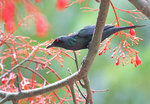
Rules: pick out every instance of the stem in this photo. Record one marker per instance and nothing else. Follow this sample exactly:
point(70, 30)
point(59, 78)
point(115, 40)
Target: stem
point(88, 90)
point(76, 61)
point(73, 94)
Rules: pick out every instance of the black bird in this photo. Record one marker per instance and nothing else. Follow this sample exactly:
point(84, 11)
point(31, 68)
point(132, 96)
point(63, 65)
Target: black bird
point(81, 39)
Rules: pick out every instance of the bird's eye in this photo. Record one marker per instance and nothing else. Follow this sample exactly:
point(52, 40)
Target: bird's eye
point(57, 40)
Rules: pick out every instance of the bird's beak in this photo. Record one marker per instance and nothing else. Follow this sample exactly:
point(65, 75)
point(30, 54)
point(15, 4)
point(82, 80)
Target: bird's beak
point(49, 46)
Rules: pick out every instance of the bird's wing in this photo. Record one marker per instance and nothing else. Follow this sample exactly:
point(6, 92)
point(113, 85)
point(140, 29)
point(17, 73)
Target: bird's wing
point(86, 31)
point(107, 27)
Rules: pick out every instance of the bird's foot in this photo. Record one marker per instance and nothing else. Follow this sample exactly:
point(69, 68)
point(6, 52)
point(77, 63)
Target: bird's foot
point(83, 60)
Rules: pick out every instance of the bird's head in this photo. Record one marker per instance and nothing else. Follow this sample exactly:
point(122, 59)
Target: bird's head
point(56, 43)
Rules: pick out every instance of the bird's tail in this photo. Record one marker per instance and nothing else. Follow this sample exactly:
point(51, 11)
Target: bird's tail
point(116, 29)
point(113, 30)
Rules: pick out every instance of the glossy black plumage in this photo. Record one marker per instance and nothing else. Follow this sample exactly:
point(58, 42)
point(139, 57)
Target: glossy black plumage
point(81, 39)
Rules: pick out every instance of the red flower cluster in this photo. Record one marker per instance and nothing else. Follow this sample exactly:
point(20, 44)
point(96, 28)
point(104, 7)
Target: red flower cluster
point(8, 13)
point(8, 10)
point(124, 50)
point(61, 4)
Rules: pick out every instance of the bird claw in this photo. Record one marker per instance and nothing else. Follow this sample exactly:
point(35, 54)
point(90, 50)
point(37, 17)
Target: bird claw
point(83, 60)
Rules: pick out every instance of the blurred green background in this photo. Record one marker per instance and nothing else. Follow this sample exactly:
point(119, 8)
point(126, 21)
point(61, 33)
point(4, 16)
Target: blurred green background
point(126, 84)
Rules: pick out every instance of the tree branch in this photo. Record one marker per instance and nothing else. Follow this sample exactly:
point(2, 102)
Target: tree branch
point(94, 46)
point(142, 5)
point(34, 92)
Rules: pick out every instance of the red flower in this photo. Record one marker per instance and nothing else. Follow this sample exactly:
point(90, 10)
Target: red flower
point(38, 1)
point(61, 4)
point(8, 16)
point(116, 33)
point(100, 53)
point(10, 25)
point(137, 60)
point(41, 23)
point(4, 80)
point(132, 32)
point(117, 62)
point(41, 26)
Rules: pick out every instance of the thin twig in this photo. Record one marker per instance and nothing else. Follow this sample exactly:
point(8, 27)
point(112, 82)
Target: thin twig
point(4, 100)
point(100, 90)
point(73, 94)
point(76, 62)
point(77, 86)
point(80, 92)
point(18, 84)
point(34, 72)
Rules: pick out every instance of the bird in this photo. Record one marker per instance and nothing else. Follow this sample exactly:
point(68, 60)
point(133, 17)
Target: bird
point(82, 38)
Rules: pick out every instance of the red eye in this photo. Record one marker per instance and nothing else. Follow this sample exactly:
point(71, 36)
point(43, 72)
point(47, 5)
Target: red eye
point(57, 40)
